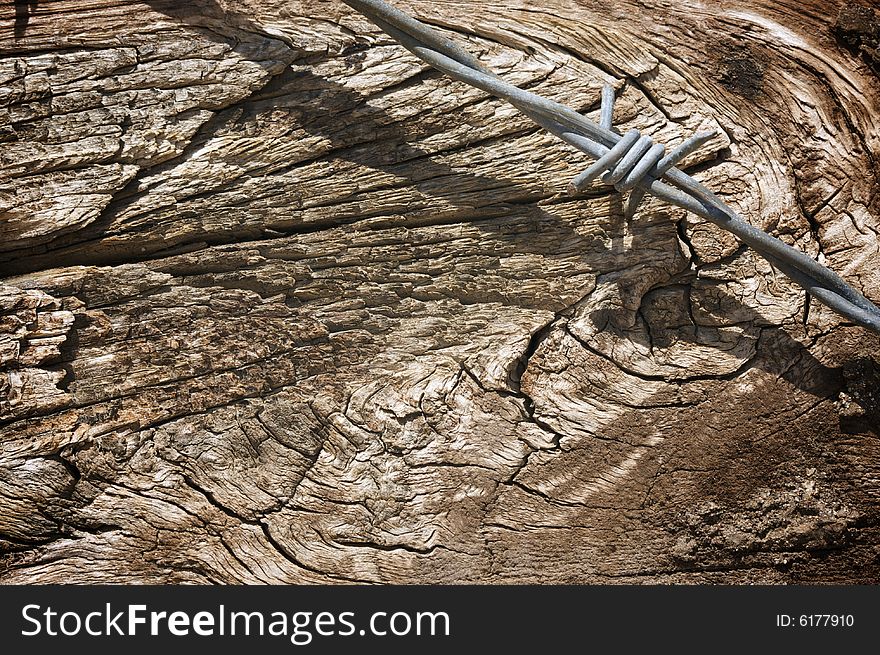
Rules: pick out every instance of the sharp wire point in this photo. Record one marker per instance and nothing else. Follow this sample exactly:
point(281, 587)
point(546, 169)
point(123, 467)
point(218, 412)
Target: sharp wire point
point(633, 202)
point(607, 112)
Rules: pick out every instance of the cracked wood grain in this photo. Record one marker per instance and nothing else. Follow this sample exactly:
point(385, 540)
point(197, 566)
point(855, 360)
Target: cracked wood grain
point(280, 304)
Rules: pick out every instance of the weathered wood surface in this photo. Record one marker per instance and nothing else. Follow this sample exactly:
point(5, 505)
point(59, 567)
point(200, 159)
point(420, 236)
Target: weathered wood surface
point(281, 304)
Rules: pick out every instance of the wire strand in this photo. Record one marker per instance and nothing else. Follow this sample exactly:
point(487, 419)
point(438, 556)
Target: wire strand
point(624, 165)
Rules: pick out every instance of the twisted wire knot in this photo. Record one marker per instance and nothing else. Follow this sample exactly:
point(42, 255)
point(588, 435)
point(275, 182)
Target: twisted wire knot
point(635, 161)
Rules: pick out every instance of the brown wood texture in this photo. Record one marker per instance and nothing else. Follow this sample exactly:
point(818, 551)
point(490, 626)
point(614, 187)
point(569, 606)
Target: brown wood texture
point(278, 303)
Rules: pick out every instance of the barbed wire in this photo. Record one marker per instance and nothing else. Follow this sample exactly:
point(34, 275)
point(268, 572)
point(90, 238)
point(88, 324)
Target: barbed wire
point(629, 162)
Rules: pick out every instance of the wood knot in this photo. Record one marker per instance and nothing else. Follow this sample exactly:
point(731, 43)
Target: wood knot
point(858, 29)
point(741, 71)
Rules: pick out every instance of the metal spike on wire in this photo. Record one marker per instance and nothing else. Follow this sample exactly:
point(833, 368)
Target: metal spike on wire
point(631, 162)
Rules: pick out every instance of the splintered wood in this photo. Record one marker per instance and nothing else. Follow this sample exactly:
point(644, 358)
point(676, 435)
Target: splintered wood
point(278, 303)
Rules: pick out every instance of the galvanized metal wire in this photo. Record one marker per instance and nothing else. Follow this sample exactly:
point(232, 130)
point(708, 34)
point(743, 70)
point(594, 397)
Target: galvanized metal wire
point(631, 162)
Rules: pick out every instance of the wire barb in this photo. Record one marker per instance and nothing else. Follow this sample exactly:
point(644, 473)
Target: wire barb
point(634, 160)
point(629, 162)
